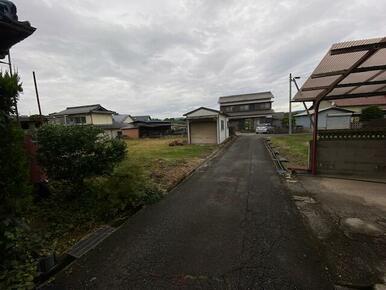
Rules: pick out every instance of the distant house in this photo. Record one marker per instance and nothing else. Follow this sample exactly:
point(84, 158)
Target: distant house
point(328, 118)
point(142, 126)
point(247, 111)
point(83, 115)
point(87, 115)
point(31, 123)
point(207, 126)
point(113, 124)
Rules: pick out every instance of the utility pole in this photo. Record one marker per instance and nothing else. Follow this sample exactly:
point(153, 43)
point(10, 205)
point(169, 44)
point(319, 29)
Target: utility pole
point(290, 107)
point(37, 95)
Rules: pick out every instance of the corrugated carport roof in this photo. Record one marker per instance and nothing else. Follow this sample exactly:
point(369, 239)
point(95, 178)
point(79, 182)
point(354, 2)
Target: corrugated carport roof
point(348, 70)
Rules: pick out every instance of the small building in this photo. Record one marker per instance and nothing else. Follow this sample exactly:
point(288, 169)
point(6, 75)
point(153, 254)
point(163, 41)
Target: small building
point(328, 118)
point(207, 126)
point(247, 111)
point(145, 126)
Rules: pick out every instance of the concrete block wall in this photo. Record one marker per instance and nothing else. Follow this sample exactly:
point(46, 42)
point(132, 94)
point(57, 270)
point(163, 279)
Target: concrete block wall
point(358, 158)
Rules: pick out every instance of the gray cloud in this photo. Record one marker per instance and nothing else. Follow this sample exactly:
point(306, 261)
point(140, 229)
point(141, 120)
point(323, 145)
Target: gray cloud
point(167, 57)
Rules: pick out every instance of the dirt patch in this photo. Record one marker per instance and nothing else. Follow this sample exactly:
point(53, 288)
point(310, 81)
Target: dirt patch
point(167, 174)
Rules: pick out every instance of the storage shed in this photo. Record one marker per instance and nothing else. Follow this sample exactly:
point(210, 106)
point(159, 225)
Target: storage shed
point(207, 126)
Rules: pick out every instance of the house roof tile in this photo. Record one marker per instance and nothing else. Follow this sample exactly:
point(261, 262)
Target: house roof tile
point(97, 108)
point(245, 97)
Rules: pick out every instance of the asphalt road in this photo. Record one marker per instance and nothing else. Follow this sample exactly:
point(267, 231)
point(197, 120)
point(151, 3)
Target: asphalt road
point(228, 226)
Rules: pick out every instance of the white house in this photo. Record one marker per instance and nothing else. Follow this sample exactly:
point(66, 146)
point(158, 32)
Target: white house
point(206, 126)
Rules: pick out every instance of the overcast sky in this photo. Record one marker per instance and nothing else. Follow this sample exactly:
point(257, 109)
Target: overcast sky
point(166, 57)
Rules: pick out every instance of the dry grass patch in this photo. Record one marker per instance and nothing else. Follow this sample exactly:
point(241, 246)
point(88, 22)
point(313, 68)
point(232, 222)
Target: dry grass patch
point(167, 165)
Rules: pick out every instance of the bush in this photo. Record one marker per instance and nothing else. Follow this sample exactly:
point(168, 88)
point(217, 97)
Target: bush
point(371, 113)
point(72, 153)
point(126, 189)
point(18, 248)
point(17, 245)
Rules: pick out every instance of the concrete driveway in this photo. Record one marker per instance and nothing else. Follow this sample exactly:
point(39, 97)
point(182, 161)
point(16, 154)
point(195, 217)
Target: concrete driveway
point(228, 226)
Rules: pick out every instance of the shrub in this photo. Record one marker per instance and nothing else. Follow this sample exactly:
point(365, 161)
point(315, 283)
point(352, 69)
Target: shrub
point(73, 153)
point(371, 113)
point(127, 188)
point(18, 248)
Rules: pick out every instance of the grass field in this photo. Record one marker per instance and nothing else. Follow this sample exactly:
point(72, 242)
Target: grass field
point(294, 148)
point(166, 164)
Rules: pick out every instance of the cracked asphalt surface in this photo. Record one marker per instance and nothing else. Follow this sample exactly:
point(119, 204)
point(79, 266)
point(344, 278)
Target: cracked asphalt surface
point(230, 225)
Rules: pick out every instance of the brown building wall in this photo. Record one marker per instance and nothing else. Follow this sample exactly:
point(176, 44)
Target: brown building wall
point(131, 133)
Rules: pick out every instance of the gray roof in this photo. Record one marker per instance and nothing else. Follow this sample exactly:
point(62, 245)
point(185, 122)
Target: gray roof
point(145, 118)
point(84, 110)
point(205, 108)
point(304, 113)
point(245, 97)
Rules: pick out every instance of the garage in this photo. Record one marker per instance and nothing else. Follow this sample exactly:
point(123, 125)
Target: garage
point(206, 126)
point(203, 132)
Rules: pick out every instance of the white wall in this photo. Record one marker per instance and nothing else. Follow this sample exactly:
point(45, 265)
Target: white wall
point(101, 119)
point(223, 134)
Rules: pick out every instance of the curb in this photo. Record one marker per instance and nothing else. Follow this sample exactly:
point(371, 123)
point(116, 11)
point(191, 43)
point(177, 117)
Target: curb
point(277, 160)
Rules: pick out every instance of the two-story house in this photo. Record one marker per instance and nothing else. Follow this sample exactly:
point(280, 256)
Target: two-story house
point(247, 111)
point(83, 115)
point(86, 115)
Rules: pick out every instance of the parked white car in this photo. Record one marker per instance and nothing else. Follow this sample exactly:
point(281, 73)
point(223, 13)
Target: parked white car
point(264, 129)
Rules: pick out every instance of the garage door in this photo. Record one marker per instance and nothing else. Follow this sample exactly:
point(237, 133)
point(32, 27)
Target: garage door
point(203, 132)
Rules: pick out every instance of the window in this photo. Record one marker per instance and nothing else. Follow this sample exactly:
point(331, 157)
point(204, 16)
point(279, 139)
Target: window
point(262, 106)
point(243, 108)
point(227, 109)
point(222, 125)
point(76, 120)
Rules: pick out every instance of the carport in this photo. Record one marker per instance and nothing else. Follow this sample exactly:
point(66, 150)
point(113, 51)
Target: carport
point(206, 126)
point(349, 70)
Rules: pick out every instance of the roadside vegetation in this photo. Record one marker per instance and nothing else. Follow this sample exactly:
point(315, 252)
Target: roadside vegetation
point(294, 148)
point(93, 181)
point(165, 165)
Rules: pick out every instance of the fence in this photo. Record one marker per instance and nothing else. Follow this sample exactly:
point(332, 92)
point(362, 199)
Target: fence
point(352, 152)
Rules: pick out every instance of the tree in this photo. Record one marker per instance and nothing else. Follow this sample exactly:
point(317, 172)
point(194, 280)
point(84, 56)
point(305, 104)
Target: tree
point(18, 268)
point(371, 113)
point(14, 182)
point(285, 121)
point(73, 153)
